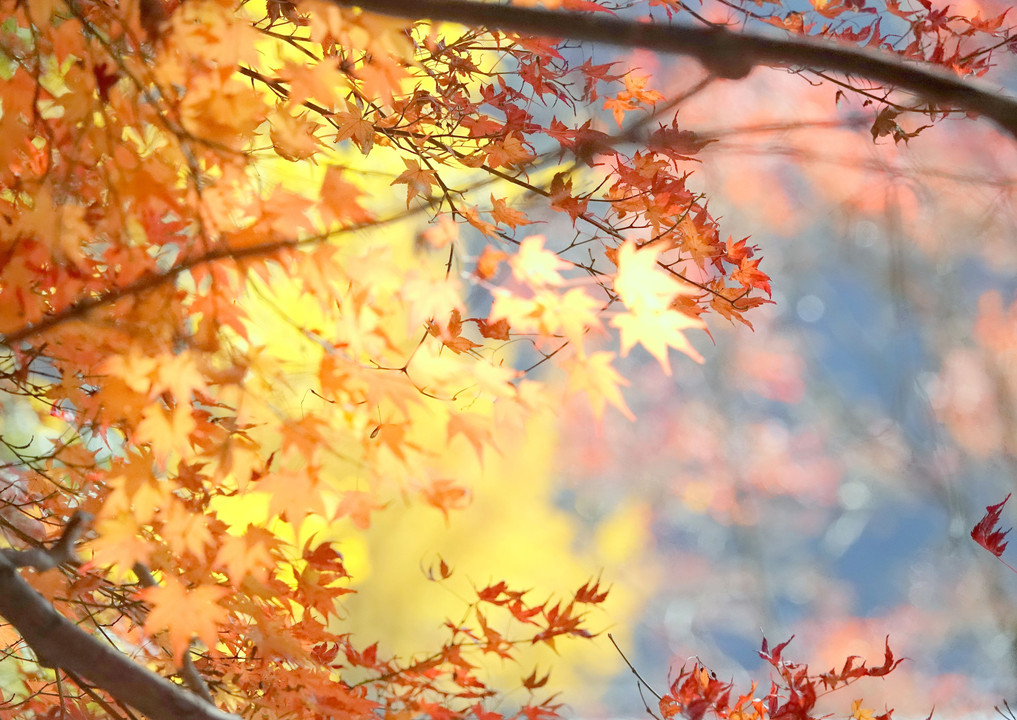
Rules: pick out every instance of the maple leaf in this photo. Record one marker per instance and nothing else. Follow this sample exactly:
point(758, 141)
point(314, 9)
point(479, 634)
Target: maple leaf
point(641, 284)
point(735, 252)
point(445, 495)
point(577, 312)
point(681, 144)
point(477, 431)
point(359, 505)
point(427, 298)
point(293, 136)
point(590, 593)
point(488, 262)
point(450, 334)
point(533, 682)
point(441, 234)
point(498, 330)
point(339, 198)
point(119, 542)
point(353, 126)
point(184, 612)
point(472, 215)
point(602, 384)
point(985, 532)
point(888, 662)
point(252, 552)
point(860, 713)
point(165, 430)
point(536, 266)
point(418, 180)
point(562, 199)
point(507, 152)
point(506, 215)
point(323, 81)
point(750, 276)
point(657, 331)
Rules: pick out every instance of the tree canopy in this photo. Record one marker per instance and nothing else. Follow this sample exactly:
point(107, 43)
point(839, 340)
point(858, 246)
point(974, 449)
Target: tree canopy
point(269, 269)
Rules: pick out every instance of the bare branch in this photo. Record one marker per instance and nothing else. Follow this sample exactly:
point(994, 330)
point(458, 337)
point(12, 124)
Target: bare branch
point(723, 53)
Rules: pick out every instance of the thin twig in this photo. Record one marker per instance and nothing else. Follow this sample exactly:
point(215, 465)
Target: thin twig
point(634, 671)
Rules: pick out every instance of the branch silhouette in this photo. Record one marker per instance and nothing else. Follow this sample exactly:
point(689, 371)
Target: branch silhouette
point(724, 53)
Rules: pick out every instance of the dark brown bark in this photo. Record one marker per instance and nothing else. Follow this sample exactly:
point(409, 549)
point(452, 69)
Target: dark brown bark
point(59, 643)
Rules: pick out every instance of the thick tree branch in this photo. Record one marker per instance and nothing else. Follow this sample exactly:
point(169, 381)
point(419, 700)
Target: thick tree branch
point(43, 559)
point(725, 54)
point(59, 643)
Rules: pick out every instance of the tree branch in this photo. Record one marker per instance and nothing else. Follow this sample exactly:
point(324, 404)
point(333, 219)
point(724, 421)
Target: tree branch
point(59, 643)
point(724, 53)
point(43, 559)
point(84, 305)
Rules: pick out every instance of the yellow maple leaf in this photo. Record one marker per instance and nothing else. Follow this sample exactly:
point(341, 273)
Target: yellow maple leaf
point(184, 530)
point(594, 375)
point(476, 430)
point(494, 380)
point(135, 368)
point(536, 266)
point(657, 331)
point(578, 313)
point(178, 374)
point(428, 298)
point(860, 713)
point(524, 315)
point(640, 282)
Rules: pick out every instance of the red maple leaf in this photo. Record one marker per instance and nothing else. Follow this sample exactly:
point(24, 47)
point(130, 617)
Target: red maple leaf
point(987, 535)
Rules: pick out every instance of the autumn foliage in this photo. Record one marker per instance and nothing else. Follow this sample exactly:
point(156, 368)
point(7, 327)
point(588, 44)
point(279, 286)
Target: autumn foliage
point(793, 692)
point(271, 268)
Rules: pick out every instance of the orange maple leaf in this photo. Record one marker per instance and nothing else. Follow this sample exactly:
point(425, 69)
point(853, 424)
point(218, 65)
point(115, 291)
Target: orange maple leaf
point(446, 495)
point(353, 126)
point(184, 612)
point(505, 215)
point(418, 180)
point(750, 276)
point(507, 152)
point(488, 262)
point(359, 505)
point(562, 199)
